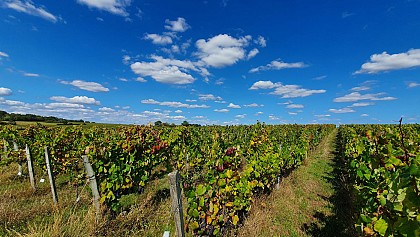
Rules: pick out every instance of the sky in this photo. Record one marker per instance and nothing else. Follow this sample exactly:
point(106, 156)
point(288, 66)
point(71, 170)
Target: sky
point(212, 61)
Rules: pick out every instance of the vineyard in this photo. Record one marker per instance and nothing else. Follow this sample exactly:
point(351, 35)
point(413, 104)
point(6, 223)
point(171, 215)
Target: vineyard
point(223, 168)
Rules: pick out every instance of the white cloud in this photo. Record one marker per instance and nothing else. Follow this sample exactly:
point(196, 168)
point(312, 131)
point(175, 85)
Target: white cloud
point(341, 111)
point(206, 97)
point(295, 106)
point(123, 79)
point(285, 91)
point(10, 102)
point(126, 59)
point(106, 109)
point(3, 54)
point(240, 116)
point(322, 115)
point(360, 88)
point(253, 105)
point(222, 50)
point(27, 74)
point(233, 106)
point(221, 110)
point(364, 115)
point(64, 105)
point(387, 62)
point(169, 71)
point(361, 104)
point(29, 8)
point(413, 84)
point(180, 25)
point(259, 113)
point(5, 91)
point(278, 65)
point(117, 7)
point(252, 53)
point(292, 113)
point(178, 111)
point(88, 86)
point(264, 85)
point(320, 77)
point(76, 100)
point(141, 79)
point(158, 39)
point(356, 96)
point(272, 117)
point(174, 104)
point(261, 41)
point(294, 91)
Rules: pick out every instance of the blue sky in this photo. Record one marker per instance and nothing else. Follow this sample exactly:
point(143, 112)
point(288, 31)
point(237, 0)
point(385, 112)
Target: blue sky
point(212, 62)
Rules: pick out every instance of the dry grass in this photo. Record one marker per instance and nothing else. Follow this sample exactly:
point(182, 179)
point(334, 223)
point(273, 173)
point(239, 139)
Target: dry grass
point(302, 198)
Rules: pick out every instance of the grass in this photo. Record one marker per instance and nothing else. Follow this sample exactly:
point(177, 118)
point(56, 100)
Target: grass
point(310, 201)
point(24, 212)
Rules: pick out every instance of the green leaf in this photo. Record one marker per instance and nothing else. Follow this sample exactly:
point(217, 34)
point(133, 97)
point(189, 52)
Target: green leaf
point(201, 190)
point(381, 226)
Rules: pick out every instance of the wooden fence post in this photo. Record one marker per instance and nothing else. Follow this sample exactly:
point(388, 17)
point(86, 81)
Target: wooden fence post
point(4, 156)
point(16, 148)
point(175, 189)
point(51, 176)
point(30, 167)
point(93, 185)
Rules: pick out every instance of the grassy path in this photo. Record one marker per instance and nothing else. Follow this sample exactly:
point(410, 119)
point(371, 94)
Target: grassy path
point(312, 201)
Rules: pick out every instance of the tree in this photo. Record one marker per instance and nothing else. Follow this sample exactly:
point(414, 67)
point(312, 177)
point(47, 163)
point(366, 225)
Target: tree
point(158, 123)
point(185, 123)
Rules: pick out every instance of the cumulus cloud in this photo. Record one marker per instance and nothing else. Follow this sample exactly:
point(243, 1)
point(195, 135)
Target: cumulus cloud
point(64, 105)
point(222, 50)
point(106, 109)
point(356, 96)
point(180, 25)
point(76, 100)
point(240, 116)
point(29, 8)
point(141, 79)
point(221, 110)
point(117, 7)
point(295, 106)
point(88, 86)
point(264, 85)
point(388, 62)
point(5, 91)
point(253, 105)
point(278, 65)
point(285, 91)
point(158, 39)
point(3, 101)
point(233, 106)
point(212, 97)
point(341, 111)
point(169, 71)
point(174, 104)
point(252, 53)
point(261, 41)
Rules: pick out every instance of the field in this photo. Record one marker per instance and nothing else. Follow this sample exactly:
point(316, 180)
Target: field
point(229, 177)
